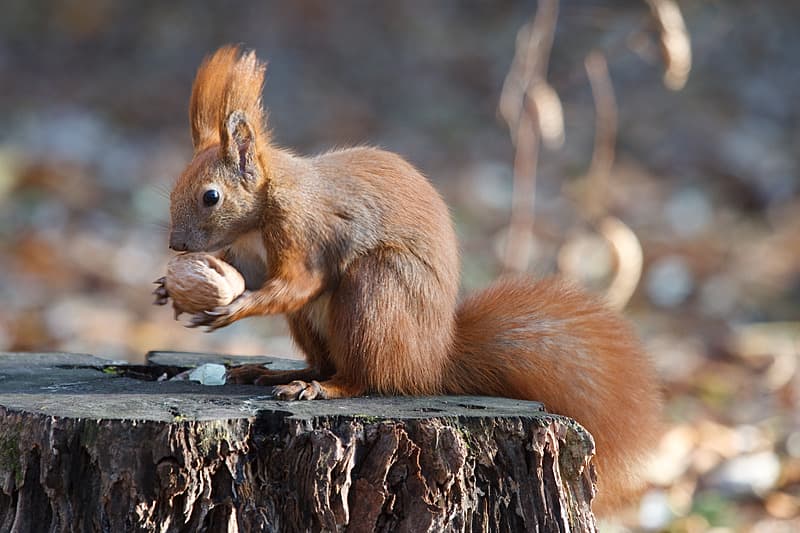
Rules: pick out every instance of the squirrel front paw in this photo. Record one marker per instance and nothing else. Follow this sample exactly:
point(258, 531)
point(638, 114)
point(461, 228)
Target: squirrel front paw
point(221, 316)
point(213, 319)
point(160, 292)
point(162, 296)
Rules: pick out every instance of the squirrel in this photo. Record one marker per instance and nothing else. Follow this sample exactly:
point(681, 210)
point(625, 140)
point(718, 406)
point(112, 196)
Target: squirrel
point(357, 249)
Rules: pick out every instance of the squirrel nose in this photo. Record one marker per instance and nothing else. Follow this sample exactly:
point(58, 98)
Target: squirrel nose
point(177, 244)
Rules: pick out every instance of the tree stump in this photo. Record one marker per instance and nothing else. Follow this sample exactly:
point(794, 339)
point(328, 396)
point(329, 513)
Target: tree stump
point(86, 445)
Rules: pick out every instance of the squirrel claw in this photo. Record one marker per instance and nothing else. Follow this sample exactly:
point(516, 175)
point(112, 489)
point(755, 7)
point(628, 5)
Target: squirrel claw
point(160, 292)
point(299, 390)
point(198, 320)
point(160, 281)
point(161, 296)
point(212, 319)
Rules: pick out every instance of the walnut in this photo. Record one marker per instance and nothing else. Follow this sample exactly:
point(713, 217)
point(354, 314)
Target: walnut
point(199, 282)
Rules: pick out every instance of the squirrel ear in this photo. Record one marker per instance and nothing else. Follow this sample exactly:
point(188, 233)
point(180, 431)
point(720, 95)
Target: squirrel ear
point(239, 143)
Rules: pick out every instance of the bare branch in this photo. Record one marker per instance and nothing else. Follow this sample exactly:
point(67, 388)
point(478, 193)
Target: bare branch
point(525, 88)
point(605, 137)
point(629, 256)
point(675, 44)
point(594, 198)
point(533, 112)
point(547, 105)
point(519, 240)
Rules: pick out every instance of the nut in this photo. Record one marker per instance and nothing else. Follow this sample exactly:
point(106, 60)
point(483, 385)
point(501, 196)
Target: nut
point(199, 282)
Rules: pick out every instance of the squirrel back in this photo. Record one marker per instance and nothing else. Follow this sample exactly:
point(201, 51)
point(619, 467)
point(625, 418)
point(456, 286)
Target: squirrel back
point(358, 250)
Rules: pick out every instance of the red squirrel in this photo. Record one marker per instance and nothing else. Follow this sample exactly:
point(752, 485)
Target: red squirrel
point(358, 250)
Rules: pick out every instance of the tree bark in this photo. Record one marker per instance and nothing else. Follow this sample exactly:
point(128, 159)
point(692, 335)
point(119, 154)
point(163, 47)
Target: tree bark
point(85, 446)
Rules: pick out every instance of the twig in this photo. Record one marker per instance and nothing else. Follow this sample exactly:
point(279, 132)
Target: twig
point(605, 136)
point(630, 259)
point(675, 44)
point(620, 238)
point(532, 110)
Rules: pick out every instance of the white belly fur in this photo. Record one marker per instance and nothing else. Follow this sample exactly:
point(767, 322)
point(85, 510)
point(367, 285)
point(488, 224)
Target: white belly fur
point(249, 257)
point(317, 313)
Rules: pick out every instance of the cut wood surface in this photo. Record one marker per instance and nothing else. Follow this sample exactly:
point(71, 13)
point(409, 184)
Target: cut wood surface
point(87, 445)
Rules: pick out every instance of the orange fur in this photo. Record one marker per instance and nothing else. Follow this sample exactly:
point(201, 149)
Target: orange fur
point(546, 340)
point(358, 250)
point(226, 82)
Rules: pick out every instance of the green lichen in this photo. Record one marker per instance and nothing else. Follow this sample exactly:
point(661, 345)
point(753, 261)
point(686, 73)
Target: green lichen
point(367, 419)
point(465, 433)
point(10, 455)
point(578, 444)
point(210, 435)
point(89, 433)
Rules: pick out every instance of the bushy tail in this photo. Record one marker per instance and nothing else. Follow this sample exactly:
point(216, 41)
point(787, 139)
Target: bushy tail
point(546, 340)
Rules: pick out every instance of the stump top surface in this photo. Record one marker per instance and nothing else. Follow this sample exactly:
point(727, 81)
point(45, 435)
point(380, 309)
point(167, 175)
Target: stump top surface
point(85, 386)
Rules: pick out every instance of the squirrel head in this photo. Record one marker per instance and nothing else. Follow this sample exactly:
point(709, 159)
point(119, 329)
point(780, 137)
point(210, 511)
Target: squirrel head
point(218, 196)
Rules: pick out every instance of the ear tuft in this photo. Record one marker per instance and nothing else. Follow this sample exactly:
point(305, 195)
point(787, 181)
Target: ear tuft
point(227, 82)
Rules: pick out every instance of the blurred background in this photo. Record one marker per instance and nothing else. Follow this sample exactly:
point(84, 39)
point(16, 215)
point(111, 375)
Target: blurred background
point(94, 130)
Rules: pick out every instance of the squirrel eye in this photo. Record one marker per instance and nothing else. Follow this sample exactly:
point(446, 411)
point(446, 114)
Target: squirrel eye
point(210, 197)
